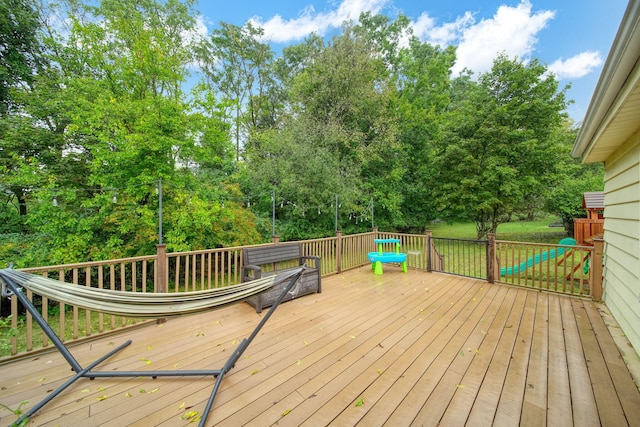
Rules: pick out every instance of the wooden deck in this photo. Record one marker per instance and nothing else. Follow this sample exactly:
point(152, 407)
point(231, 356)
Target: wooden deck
point(397, 349)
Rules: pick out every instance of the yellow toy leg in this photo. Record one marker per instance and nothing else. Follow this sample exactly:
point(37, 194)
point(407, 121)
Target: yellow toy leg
point(377, 267)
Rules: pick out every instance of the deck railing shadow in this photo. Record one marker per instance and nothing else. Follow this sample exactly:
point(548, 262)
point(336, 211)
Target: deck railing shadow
point(575, 271)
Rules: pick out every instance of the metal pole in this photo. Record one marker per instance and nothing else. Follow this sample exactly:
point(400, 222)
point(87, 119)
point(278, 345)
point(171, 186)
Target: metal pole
point(160, 211)
point(336, 230)
point(372, 223)
point(273, 212)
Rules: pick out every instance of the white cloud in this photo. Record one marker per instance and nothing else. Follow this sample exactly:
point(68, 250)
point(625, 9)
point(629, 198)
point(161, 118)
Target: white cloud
point(577, 66)
point(281, 30)
point(511, 30)
point(446, 34)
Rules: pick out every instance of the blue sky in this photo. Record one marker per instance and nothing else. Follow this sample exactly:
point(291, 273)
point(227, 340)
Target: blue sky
point(572, 37)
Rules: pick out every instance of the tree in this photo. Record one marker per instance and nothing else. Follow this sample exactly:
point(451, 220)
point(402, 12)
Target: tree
point(423, 80)
point(573, 180)
point(338, 139)
point(237, 64)
point(19, 46)
point(106, 121)
point(492, 149)
point(30, 143)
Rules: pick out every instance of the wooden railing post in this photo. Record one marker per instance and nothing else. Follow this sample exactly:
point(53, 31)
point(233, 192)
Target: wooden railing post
point(596, 269)
point(275, 239)
point(162, 272)
point(427, 245)
point(491, 257)
point(161, 268)
point(339, 251)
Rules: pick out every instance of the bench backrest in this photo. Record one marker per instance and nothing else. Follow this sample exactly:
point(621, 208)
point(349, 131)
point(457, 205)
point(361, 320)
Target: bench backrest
point(261, 255)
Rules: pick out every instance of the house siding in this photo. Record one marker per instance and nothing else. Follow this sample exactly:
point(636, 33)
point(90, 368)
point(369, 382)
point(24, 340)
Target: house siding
point(622, 237)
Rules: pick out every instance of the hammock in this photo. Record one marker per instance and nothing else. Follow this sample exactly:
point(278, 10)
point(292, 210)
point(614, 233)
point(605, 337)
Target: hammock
point(140, 305)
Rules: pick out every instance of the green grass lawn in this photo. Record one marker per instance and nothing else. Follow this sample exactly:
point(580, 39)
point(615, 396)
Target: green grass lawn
point(537, 231)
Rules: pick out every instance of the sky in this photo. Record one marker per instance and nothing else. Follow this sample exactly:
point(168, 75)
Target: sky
point(571, 37)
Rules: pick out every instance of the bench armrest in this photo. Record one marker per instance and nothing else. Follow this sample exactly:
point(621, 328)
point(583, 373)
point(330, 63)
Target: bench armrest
point(251, 272)
point(316, 260)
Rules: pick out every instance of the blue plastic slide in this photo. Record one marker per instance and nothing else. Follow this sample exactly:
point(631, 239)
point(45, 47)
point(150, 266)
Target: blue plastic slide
point(538, 258)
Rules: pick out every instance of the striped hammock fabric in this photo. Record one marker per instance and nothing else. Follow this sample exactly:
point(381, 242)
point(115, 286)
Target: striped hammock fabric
point(141, 305)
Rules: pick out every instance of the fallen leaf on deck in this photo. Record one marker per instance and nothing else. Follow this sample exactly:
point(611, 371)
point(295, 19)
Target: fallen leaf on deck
point(148, 347)
point(127, 394)
point(461, 386)
point(154, 390)
point(102, 397)
point(286, 412)
point(181, 405)
point(359, 402)
point(255, 371)
point(191, 415)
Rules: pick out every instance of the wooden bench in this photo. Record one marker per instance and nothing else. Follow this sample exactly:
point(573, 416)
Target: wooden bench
point(266, 260)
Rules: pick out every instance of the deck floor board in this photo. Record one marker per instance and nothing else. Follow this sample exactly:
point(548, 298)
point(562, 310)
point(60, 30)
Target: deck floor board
point(399, 349)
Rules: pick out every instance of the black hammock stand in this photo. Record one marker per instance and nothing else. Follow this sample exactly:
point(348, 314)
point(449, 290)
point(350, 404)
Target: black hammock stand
point(88, 372)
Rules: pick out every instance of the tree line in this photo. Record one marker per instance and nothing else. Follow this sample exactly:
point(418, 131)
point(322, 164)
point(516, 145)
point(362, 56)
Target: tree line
point(100, 102)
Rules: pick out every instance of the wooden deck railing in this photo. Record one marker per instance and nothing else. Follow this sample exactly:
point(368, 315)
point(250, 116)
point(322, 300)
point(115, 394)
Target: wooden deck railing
point(72, 323)
point(573, 270)
point(174, 272)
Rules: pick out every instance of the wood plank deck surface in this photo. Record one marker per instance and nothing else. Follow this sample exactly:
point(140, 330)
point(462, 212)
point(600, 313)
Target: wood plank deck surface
point(419, 348)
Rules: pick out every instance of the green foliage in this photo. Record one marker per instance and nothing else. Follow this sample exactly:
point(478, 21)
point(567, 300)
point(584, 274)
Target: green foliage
point(19, 55)
point(566, 199)
point(6, 333)
point(95, 115)
point(101, 126)
point(492, 149)
point(17, 412)
point(423, 98)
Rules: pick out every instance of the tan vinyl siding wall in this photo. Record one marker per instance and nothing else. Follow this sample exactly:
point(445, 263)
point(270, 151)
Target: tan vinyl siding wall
point(622, 237)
